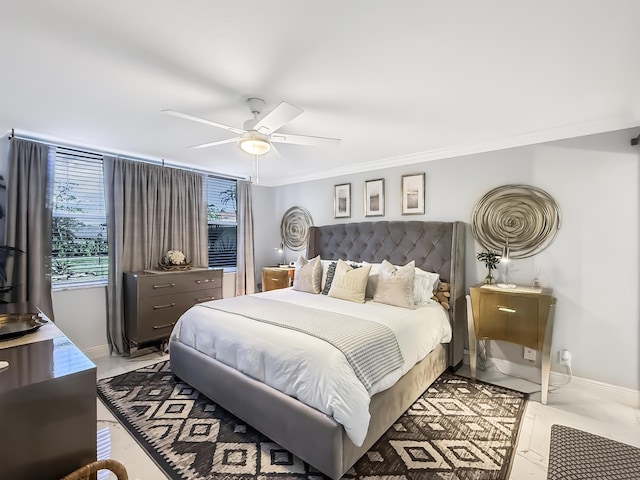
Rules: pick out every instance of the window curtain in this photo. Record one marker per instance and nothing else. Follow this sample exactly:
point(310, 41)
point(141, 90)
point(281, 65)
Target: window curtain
point(150, 209)
point(28, 226)
point(245, 275)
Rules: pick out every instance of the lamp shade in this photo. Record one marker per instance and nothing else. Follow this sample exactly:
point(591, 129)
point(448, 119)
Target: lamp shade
point(255, 143)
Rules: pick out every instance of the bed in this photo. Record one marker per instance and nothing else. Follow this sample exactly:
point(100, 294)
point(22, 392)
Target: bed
point(312, 435)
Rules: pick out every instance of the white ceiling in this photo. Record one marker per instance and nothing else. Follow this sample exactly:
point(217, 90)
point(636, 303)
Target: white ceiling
point(398, 82)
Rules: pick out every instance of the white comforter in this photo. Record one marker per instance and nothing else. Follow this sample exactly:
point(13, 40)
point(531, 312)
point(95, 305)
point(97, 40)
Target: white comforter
point(306, 367)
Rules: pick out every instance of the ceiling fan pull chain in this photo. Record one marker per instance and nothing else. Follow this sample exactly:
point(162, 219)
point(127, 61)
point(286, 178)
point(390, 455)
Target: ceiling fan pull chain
point(255, 169)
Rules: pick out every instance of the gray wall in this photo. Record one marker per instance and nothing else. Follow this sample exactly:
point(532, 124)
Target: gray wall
point(593, 265)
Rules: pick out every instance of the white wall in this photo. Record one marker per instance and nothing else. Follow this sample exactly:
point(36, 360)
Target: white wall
point(266, 227)
point(593, 265)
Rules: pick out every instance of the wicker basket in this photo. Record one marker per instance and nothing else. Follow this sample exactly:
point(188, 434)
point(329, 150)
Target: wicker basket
point(88, 471)
point(163, 267)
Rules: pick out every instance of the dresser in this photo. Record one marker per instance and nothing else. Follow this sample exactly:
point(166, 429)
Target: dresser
point(153, 302)
point(522, 315)
point(277, 277)
point(47, 407)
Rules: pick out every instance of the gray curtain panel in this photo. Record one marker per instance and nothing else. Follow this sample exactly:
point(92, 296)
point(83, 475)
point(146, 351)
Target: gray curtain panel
point(150, 209)
point(28, 224)
point(245, 276)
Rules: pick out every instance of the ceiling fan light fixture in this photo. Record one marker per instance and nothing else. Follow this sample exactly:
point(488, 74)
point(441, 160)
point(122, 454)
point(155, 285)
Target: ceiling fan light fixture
point(255, 143)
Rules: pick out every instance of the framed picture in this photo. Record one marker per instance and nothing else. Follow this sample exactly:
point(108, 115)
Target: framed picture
point(342, 200)
point(413, 194)
point(374, 198)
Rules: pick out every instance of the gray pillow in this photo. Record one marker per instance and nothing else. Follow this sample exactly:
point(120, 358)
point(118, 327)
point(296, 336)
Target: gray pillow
point(395, 285)
point(331, 271)
point(308, 275)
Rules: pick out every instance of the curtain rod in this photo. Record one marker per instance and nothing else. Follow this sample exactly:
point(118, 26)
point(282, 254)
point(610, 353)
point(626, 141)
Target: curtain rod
point(161, 162)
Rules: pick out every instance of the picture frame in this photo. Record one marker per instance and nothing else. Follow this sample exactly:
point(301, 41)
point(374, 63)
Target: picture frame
point(413, 194)
point(374, 198)
point(342, 200)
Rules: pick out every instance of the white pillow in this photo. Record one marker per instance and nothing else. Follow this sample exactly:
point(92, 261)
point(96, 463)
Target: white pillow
point(308, 275)
point(425, 284)
point(349, 283)
point(396, 285)
point(372, 282)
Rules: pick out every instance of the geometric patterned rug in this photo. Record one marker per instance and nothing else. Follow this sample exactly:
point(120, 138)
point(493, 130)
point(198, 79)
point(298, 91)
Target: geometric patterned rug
point(457, 430)
point(578, 455)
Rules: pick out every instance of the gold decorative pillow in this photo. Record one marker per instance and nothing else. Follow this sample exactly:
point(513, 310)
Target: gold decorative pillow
point(308, 275)
point(349, 283)
point(395, 285)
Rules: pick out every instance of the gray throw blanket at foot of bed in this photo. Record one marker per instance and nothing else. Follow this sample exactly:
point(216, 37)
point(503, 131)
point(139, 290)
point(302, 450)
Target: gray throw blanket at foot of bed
point(370, 348)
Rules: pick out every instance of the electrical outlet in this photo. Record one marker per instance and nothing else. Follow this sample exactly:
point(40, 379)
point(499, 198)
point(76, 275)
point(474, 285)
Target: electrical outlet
point(529, 354)
point(564, 357)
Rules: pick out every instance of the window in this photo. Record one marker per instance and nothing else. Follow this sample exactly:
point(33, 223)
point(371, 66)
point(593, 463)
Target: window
point(221, 221)
point(79, 228)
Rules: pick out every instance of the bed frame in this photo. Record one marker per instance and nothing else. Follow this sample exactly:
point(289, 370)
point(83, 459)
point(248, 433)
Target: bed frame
point(311, 435)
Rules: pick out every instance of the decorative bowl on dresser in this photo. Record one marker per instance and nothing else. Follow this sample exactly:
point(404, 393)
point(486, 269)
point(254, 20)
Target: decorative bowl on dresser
point(153, 301)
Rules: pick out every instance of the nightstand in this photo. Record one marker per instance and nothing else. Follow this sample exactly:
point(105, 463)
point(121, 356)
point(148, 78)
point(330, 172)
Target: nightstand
point(521, 315)
point(277, 277)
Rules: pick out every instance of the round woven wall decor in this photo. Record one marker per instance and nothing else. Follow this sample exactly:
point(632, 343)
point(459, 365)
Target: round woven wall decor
point(527, 216)
point(294, 227)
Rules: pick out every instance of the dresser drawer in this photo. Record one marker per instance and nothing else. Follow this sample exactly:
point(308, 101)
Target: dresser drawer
point(169, 283)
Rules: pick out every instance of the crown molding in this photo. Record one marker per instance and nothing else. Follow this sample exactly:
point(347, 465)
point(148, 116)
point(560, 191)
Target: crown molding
point(532, 138)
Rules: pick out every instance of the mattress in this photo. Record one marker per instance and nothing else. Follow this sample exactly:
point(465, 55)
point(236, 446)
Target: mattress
point(305, 367)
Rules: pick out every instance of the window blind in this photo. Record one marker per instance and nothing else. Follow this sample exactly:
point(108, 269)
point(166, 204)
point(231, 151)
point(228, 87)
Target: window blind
point(221, 221)
point(79, 228)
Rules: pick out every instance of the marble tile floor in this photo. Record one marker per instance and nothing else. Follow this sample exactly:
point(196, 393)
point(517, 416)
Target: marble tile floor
point(569, 405)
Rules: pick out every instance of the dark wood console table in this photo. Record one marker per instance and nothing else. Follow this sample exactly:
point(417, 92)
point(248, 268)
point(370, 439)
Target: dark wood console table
point(47, 410)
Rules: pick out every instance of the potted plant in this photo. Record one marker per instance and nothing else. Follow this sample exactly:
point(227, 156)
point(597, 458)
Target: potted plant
point(491, 260)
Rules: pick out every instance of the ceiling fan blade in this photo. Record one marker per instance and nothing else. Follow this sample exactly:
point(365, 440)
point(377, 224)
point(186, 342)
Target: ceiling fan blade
point(283, 113)
point(219, 142)
point(203, 120)
point(304, 140)
point(274, 152)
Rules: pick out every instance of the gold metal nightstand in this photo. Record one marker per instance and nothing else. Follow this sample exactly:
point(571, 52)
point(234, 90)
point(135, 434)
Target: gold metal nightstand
point(521, 315)
point(277, 277)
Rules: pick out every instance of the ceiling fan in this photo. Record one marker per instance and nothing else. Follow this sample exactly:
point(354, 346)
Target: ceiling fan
point(259, 133)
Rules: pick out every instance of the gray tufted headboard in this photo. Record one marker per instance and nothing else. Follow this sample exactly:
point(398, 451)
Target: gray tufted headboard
point(435, 246)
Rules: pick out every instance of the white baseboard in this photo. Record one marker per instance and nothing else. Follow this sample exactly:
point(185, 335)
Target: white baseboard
point(600, 390)
point(96, 352)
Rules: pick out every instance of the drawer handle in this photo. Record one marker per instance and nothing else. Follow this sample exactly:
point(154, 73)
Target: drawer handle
point(507, 310)
point(168, 305)
point(204, 299)
point(168, 285)
point(201, 281)
point(158, 327)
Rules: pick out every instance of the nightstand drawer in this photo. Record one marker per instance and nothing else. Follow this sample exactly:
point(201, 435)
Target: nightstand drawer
point(275, 277)
point(513, 317)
